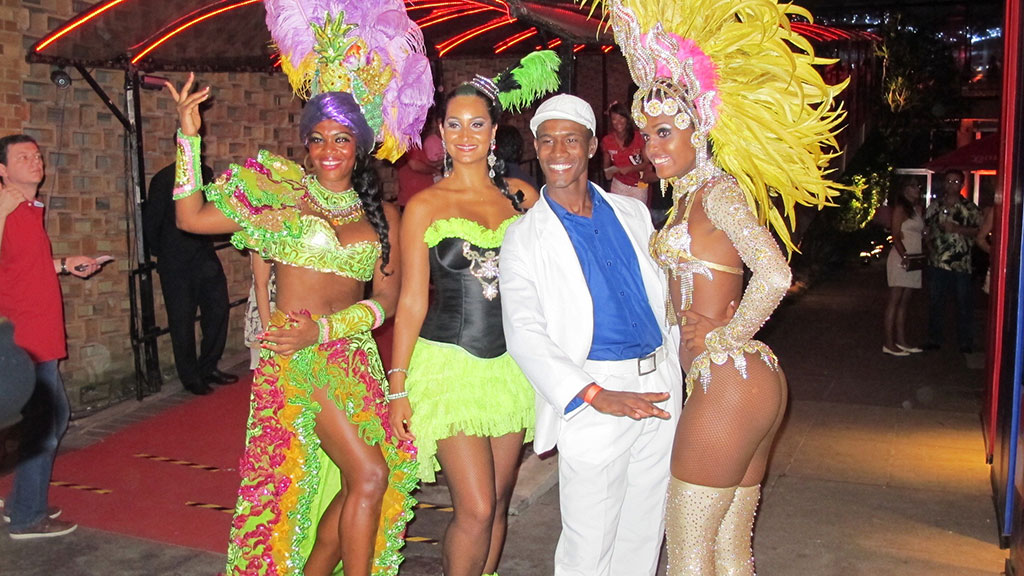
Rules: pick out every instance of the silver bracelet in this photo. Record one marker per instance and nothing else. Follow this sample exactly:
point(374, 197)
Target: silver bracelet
point(396, 395)
point(393, 370)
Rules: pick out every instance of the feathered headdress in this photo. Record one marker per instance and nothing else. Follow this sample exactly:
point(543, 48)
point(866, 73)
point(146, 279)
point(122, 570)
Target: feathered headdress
point(736, 70)
point(370, 49)
point(523, 83)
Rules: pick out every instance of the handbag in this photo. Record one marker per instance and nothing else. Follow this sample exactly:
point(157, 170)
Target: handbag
point(913, 262)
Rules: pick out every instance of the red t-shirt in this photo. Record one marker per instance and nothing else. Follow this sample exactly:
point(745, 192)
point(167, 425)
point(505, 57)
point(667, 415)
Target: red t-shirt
point(410, 182)
point(623, 156)
point(29, 291)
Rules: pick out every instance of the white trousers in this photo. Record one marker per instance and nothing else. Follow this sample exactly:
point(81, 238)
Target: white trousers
point(613, 477)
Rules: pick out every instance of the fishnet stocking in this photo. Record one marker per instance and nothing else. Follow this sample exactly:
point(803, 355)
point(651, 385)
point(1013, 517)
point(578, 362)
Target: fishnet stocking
point(724, 435)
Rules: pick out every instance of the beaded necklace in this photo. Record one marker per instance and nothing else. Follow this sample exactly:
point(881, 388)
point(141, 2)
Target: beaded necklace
point(339, 207)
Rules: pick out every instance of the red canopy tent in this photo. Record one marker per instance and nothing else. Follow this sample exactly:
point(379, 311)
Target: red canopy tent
point(980, 154)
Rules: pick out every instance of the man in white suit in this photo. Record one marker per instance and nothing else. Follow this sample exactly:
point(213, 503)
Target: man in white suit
point(583, 307)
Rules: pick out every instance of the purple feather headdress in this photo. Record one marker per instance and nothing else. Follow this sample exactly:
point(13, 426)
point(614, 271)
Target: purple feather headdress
point(368, 48)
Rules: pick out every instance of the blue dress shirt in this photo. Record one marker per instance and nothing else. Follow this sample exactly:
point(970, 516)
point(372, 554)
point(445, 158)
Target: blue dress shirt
point(625, 327)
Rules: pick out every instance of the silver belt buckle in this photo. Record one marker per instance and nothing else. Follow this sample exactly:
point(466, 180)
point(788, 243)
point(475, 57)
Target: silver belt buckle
point(647, 364)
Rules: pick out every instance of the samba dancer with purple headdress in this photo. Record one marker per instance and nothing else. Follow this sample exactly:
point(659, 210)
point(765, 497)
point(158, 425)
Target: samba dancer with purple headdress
point(324, 480)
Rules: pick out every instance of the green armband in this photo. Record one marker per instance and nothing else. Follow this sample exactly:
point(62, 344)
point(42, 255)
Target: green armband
point(188, 168)
point(362, 316)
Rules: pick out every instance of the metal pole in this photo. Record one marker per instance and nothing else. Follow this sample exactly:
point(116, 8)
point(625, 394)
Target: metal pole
point(147, 360)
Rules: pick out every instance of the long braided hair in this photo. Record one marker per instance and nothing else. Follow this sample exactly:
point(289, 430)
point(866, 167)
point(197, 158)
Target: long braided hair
point(366, 182)
point(500, 169)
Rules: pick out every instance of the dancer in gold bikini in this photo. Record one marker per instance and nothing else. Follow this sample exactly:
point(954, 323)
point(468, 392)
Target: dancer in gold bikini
point(732, 77)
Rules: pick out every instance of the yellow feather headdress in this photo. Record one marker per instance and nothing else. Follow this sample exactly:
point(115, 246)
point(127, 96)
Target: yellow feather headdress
point(747, 81)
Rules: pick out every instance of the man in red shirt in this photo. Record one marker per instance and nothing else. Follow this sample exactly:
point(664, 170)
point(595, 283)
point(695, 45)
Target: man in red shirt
point(30, 297)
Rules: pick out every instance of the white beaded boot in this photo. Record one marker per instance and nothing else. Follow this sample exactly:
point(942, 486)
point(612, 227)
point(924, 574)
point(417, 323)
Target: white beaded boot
point(692, 518)
point(733, 554)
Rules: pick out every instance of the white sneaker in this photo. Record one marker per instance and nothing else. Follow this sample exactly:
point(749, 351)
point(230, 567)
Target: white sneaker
point(910, 349)
point(52, 512)
point(886, 350)
point(45, 528)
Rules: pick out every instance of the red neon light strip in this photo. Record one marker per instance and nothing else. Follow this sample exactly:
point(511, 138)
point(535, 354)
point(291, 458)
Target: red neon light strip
point(555, 42)
point(446, 46)
point(513, 40)
point(607, 49)
point(446, 15)
point(187, 25)
point(578, 47)
point(412, 5)
point(85, 18)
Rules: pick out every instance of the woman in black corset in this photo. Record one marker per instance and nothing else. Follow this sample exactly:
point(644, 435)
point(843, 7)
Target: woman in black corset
point(454, 389)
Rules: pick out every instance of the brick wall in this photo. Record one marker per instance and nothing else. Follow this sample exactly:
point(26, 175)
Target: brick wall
point(86, 188)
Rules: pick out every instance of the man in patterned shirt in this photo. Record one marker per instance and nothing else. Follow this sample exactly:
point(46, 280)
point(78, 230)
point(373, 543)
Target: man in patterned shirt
point(952, 223)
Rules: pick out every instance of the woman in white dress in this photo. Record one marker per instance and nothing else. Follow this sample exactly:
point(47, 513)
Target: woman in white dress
point(907, 230)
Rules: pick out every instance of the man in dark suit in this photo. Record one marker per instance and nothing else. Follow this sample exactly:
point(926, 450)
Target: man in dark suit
point(192, 278)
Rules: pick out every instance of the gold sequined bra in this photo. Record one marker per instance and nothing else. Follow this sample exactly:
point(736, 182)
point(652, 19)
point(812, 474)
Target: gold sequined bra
point(727, 209)
point(265, 197)
point(670, 248)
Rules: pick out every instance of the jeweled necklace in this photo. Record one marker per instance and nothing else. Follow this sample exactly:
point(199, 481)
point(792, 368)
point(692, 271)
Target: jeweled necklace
point(339, 207)
point(688, 183)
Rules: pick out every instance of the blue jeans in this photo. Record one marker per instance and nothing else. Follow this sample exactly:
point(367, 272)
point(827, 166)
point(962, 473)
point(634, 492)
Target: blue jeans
point(940, 283)
point(46, 418)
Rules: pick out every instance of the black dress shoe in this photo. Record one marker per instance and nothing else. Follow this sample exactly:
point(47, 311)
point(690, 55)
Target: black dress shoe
point(201, 389)
point(218, 377)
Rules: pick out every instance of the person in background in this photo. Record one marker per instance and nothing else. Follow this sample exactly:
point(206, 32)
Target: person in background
point(421, 165)
point(984, 243)
point(509, 149)
point(30, 297)
point(622, 155)
point(19, 377)
point(262, 295)
point(192, 280)
point(952, 222)
point(907, 228)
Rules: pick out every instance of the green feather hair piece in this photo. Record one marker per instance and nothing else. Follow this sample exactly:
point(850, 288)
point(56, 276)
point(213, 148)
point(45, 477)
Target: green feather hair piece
point(534, 76)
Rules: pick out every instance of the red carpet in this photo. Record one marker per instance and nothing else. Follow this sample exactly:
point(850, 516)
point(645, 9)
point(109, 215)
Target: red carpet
point(108, 486)
point(172, 478)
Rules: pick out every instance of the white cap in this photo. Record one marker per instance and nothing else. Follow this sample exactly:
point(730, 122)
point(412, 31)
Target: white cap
point(564, 107)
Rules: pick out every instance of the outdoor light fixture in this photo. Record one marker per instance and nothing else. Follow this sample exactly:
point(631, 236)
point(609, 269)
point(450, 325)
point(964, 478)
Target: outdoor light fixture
point(150, 82)
point(60, 78)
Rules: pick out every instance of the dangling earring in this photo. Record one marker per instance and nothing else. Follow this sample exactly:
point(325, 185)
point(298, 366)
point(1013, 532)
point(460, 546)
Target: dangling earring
point(447, 164)
point(491, 159)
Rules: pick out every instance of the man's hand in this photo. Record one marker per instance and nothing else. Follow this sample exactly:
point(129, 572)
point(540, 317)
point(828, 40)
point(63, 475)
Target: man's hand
point(9, 200)
point(695, 329)
point(82, 266)
point(635, 405)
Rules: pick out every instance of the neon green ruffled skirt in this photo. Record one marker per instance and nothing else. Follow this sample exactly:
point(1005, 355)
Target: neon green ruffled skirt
point(288, 480)
point(452, 391)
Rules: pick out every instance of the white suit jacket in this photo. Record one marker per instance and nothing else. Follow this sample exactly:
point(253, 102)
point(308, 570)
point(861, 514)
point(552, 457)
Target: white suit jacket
point(548, 313)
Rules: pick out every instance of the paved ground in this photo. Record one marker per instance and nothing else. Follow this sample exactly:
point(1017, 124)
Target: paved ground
point(879, 468)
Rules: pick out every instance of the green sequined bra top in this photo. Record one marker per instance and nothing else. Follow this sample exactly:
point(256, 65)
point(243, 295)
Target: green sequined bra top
point(265, 198)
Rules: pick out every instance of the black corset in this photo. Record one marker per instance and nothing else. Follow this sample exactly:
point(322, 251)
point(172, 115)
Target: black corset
point(460, 313)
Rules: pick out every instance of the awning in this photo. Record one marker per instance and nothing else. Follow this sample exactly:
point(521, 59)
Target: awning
point(980, 154)
point(231, 35)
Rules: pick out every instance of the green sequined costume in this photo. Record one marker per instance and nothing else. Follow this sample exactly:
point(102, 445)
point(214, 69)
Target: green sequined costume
point(287, 479)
